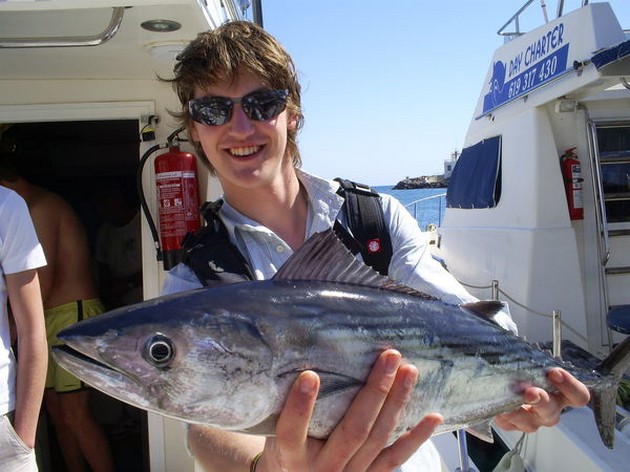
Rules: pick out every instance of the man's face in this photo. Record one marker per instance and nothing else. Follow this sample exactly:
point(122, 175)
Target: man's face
point(245, 153)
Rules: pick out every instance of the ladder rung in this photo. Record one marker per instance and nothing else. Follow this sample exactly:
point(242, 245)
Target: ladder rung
point(617, 270)
point(618, 232)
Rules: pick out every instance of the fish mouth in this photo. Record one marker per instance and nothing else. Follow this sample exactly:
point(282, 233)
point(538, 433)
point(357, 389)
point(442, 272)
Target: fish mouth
point(100, 376)
point(65, 354)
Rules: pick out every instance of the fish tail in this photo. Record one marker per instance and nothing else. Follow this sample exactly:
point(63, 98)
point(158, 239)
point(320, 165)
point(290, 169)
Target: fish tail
point(605, 393)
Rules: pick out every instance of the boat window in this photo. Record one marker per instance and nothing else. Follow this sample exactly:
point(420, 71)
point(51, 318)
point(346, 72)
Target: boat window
point(476, 178)
point(614, 153)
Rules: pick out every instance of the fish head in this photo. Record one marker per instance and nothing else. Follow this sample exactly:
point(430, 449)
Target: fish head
point(180, 360)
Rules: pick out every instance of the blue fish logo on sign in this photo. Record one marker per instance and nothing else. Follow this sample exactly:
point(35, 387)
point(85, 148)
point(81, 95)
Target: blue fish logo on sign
point(497, 84)
point(544, 60)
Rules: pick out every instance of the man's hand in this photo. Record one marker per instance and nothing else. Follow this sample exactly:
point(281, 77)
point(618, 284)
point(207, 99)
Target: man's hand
point(359, 442)
point(542, 408)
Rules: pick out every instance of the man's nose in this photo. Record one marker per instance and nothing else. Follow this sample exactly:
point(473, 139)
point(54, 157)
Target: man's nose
point(239, 122)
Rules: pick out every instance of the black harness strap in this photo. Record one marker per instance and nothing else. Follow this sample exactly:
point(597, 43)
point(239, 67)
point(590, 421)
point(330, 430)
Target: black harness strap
point(215, 259)
point(210, 253)
point(367, 223)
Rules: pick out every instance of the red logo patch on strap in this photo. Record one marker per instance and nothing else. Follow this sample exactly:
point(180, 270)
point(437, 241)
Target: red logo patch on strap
point(374, 245)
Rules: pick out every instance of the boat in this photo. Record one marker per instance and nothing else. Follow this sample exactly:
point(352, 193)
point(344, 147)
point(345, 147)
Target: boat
point(79, 95)
point(538, 205)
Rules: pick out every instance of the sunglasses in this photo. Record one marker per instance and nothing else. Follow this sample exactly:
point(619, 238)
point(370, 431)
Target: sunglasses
point(261, 105)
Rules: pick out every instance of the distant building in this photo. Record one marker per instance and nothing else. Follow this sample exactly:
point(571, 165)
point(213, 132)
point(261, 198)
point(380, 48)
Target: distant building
point(430, 181)
point(449, 165)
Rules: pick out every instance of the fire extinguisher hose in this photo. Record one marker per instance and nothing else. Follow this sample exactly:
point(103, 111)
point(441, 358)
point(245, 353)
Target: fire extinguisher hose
point(143, 200)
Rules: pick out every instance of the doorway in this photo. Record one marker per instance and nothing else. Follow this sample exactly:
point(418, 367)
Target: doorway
point(87, 162)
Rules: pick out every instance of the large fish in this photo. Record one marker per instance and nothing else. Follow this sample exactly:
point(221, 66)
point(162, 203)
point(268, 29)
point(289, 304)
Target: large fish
point(226, 356)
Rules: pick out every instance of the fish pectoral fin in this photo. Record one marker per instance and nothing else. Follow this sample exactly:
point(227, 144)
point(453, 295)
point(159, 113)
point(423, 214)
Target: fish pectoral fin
point(482, 431)
point(332, 383)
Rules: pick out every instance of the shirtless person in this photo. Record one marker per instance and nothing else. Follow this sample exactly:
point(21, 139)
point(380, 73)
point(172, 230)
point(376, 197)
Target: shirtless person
point(69, 294)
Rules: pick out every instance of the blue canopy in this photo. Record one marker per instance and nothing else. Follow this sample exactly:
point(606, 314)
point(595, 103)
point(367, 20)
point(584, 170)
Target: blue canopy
point(611, 54)
point(475, 181)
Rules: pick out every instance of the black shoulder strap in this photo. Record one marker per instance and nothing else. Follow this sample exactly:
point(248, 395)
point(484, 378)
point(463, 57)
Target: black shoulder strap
point(367, 223)
point(214, 258)
point(210, 253)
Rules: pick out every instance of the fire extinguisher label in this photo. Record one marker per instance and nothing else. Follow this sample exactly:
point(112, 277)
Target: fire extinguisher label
point(177, 198)
point(576, 177)
point(572, 176)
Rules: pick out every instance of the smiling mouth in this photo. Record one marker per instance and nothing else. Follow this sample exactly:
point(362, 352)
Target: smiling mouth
point(245, 151)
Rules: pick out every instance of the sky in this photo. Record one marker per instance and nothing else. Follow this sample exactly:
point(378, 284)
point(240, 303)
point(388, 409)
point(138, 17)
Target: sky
point(389, 87)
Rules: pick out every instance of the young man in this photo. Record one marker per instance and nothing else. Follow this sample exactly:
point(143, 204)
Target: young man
point(241, 104)
point(69, 294)
point(21, 384)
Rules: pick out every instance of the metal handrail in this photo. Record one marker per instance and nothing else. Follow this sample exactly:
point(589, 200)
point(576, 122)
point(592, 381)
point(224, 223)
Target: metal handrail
point(600, 214)
point(415, 204)
point(601, 220)
point(515, 18)
point(69, 41)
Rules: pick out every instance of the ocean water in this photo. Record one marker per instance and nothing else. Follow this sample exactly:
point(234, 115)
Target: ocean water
point(424, 203)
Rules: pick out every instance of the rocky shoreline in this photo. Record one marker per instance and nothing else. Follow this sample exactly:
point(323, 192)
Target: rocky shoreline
point(410, 183)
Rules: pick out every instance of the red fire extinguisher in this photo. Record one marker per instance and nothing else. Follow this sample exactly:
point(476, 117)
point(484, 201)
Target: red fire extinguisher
point(572, 176)
point(178, 200)
point(177, 197)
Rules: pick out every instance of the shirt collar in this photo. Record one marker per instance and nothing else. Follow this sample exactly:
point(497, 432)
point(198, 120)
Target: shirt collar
point(323, 207)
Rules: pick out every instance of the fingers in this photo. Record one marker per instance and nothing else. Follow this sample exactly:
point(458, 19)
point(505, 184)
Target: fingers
point(399, 452)
point(522, 419)
point(573, 392)
point(360, 440)
point(543, 408)
point(387, 419)
point(294, 420)
point(357, 424)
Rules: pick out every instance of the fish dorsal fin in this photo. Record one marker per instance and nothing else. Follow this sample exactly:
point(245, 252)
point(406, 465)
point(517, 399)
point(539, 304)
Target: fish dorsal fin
point(485, 309)
point(323, 257)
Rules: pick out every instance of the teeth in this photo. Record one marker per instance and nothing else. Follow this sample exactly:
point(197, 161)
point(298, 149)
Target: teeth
point(244, 151)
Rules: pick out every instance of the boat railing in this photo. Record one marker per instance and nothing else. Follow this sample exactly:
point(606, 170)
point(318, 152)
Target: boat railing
point(516, 18)
point(426, 208)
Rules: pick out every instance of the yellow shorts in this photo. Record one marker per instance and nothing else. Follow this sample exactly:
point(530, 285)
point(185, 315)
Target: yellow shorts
point(58, 318)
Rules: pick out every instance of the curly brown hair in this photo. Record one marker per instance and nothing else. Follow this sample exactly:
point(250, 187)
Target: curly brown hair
point(220, 55)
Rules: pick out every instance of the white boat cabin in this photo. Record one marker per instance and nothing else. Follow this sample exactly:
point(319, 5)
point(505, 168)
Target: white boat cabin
point(559, 89)
point(80, 100)
point(538, 205)
point(78, 84)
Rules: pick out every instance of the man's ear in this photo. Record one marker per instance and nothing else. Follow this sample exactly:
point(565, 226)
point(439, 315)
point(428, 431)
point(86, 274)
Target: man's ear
point(292, 123)
point(192, 132)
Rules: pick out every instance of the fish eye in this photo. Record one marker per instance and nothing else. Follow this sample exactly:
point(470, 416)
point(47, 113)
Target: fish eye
point(159, 350)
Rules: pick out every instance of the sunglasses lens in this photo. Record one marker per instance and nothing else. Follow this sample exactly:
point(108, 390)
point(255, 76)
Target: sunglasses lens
point(265, 105)
point(212, 111)
point(258, 106)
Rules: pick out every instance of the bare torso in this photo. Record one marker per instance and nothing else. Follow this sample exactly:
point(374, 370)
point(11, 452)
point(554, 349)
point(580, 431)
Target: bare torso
point(68, 276)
